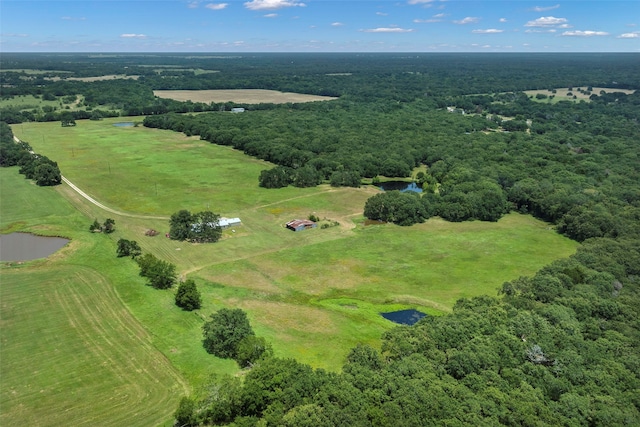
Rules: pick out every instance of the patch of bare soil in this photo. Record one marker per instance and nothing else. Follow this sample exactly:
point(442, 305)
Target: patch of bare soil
point(239, 96)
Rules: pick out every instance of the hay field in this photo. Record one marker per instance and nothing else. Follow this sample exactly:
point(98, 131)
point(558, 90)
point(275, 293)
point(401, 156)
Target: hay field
point(72, 353)
point(239, 96)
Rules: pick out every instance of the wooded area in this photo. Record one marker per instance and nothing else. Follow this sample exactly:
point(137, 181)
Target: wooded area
point(559, 348)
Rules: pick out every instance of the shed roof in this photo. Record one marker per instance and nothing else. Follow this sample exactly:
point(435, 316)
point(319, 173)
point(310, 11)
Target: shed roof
point(298, 222)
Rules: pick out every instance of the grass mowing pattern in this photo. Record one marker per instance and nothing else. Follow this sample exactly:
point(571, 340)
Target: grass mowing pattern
point(72, 354)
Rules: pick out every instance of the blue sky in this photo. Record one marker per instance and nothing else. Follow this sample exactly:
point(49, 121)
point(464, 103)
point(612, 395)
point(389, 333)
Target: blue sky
point(319, 26)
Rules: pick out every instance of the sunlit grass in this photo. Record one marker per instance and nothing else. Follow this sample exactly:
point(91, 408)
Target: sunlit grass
point(313, 294)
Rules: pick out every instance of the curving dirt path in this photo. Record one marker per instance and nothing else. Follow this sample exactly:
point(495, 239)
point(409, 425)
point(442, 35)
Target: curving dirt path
point(106, 208)
point(95, 202)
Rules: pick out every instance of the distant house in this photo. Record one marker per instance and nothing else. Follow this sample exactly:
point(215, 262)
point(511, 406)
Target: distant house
point(237, 110)
point(301, 224)
point(229, 222)
point(222, 223)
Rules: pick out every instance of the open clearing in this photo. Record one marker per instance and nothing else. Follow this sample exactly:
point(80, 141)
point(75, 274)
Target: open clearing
point(105, 343)
point(562, 93)
point(239, 96)
point(97, 78)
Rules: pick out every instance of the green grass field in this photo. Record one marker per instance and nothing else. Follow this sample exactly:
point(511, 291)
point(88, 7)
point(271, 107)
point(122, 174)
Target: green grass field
point(71, 351)
point(312, 294)
point(29, 102)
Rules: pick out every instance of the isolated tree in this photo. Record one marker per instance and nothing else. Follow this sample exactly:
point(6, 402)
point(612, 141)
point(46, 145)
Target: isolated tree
point(188, 296)
point(180, 225)
point(224, 332)
point(207, 228)
point(128, 248)
point(109, 226)
point(203, 227)
point(161, 274)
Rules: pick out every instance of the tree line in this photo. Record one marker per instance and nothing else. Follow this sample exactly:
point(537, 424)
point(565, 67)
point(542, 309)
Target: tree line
point(42, 170)
point(558, 348)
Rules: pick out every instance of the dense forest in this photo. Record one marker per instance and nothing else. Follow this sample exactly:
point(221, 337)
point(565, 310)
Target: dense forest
point(559, 348)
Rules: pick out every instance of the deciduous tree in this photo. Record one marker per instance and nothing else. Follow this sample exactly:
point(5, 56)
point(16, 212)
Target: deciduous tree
point(224, 332)
point(188, 297)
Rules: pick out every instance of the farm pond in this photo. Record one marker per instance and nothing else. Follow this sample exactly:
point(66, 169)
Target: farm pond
point(402, 186)
point(404, 317)
point(27, 246)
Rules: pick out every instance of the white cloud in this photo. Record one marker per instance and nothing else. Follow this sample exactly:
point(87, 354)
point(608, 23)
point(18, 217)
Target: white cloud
point(420, 1)
point(487, 31)
point(337, 24)
point(133, 36)
point(546, 21)
point(71, 18)
point(633, 35)
point(271, 15)
point(584, 33)
point(426, 21)
point(388, 30)
point(502, 20)
point(14, 35)
point(381, 13)
point(217, 6)
point(548, 30)
point(544, 8)
point(193, 5)
point(271, 4)
point(467, 20)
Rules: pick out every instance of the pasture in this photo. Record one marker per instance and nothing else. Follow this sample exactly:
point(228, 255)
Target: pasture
point(71, 351)
point(566, 94)
point(313, 294)
point(239, 96)
point(28, 102)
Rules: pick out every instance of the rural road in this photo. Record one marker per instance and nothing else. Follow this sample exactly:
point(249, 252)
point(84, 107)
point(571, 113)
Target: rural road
point(95, 202)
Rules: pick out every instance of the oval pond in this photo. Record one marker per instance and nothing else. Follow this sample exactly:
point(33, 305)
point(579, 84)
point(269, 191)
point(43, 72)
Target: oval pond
point(27, 246)
point(404, 317)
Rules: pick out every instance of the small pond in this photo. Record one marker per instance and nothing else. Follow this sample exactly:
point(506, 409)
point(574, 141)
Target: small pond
point(400, 186)
point(404, 317)
point(123, 124)
point(27, 246)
